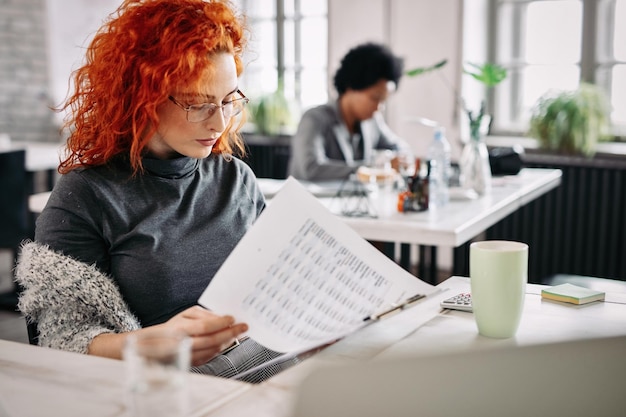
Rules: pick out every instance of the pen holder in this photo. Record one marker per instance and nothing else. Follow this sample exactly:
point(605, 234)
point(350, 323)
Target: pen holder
point(415, 197)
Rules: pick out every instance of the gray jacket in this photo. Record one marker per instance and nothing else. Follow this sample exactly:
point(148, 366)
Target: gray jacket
point(322, 148)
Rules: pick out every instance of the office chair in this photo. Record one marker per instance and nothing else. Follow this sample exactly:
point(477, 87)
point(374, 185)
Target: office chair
point(14, 215)
point(33, 333)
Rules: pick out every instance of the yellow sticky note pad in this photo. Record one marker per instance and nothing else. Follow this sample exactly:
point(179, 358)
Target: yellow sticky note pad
point(574, 294)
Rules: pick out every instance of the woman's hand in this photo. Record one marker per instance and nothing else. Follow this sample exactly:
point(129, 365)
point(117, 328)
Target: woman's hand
point(209, 332)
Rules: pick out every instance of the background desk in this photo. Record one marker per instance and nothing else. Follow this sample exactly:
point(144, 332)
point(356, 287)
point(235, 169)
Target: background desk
point(457, 222)
point(40, 157)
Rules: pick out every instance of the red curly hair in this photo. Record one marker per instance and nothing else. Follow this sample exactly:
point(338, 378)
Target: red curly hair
point(143, 52)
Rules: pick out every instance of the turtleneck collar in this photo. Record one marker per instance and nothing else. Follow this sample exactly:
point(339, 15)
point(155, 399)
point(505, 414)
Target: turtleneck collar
point(171, 168)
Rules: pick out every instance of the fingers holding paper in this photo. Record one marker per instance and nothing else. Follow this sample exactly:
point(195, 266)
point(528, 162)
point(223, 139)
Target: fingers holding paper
point(210, 333)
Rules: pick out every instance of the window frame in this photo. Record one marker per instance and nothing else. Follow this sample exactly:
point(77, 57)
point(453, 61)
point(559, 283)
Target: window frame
point(281, 19)
point(596, 58)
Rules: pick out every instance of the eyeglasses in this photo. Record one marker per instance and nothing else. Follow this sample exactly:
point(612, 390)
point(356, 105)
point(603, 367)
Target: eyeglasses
point(200, 112)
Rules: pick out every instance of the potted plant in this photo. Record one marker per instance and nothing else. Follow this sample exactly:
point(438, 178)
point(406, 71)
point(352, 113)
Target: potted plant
point(571, 122)
point(271, 113)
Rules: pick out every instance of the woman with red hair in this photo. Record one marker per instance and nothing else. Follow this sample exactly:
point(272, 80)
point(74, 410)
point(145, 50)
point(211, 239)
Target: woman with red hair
point(153, 198)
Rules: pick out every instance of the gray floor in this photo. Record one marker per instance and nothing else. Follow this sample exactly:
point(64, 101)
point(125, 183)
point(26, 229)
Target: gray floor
point(12, 324)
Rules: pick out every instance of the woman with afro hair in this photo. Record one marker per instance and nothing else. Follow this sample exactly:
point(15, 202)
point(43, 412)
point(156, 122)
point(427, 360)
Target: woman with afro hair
point(333, 140)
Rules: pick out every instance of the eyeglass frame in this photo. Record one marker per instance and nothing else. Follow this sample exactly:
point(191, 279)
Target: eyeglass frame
point(214, 106)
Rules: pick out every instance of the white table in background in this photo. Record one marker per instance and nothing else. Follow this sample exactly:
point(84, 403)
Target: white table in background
point(456, 223)
point(460, 220)
point(41, 157)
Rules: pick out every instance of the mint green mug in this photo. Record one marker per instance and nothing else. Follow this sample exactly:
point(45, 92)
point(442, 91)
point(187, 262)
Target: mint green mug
point(498, 276)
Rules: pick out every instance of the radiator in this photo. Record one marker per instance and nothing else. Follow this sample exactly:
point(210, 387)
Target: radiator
point(267, 156)
point(578, 228)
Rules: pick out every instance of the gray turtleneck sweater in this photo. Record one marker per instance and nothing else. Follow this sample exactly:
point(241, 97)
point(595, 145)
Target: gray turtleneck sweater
point(160, 235)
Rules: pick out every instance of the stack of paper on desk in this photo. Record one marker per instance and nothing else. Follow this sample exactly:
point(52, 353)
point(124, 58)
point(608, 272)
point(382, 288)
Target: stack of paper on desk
point(302, 278)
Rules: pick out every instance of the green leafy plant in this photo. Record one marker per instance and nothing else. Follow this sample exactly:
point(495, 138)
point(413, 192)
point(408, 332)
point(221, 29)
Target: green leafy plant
point(271, 113)
point(422, 70)
point(489, 74)
point(572, 122)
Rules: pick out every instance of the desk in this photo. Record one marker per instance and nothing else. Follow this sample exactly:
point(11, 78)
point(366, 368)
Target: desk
point(37, 381)
point(425, 330)
point(34, 379)
point(41, 157)
point(460, 220)
point(457, 222)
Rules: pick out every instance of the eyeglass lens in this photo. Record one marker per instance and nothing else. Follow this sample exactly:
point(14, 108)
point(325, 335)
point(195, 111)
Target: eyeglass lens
point(206, 111)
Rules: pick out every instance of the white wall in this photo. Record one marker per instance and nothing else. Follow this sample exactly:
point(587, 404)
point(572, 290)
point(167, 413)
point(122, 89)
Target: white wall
point(71, 26)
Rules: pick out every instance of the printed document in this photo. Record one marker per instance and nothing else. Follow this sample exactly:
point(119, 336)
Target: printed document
point(301, 277)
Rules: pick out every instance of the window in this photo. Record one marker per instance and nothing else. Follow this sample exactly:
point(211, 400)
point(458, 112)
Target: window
point(288, 44)
point(555, 44)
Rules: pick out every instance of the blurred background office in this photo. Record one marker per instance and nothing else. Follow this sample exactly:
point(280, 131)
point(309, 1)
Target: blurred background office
point(296, 46)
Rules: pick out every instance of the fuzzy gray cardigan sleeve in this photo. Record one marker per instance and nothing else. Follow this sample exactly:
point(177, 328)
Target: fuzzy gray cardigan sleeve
point(71, 302)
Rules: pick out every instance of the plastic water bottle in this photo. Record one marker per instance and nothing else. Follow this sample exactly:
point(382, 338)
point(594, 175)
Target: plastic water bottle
point(439, 158)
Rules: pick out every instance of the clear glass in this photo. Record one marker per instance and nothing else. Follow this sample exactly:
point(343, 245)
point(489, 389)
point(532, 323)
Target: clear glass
point(157, 365)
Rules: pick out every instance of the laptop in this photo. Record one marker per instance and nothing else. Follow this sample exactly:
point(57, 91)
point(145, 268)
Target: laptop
point(579, 378)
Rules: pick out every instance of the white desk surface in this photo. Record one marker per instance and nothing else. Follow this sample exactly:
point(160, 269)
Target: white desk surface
point(460, 220)
point(37, 202)
point(37, 381)
point(67, 384)
point(40, 156)
point(457, 222)
point(427, 329)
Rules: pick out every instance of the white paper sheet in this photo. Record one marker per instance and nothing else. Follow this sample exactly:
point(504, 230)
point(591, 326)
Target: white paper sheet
point(301, 277)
